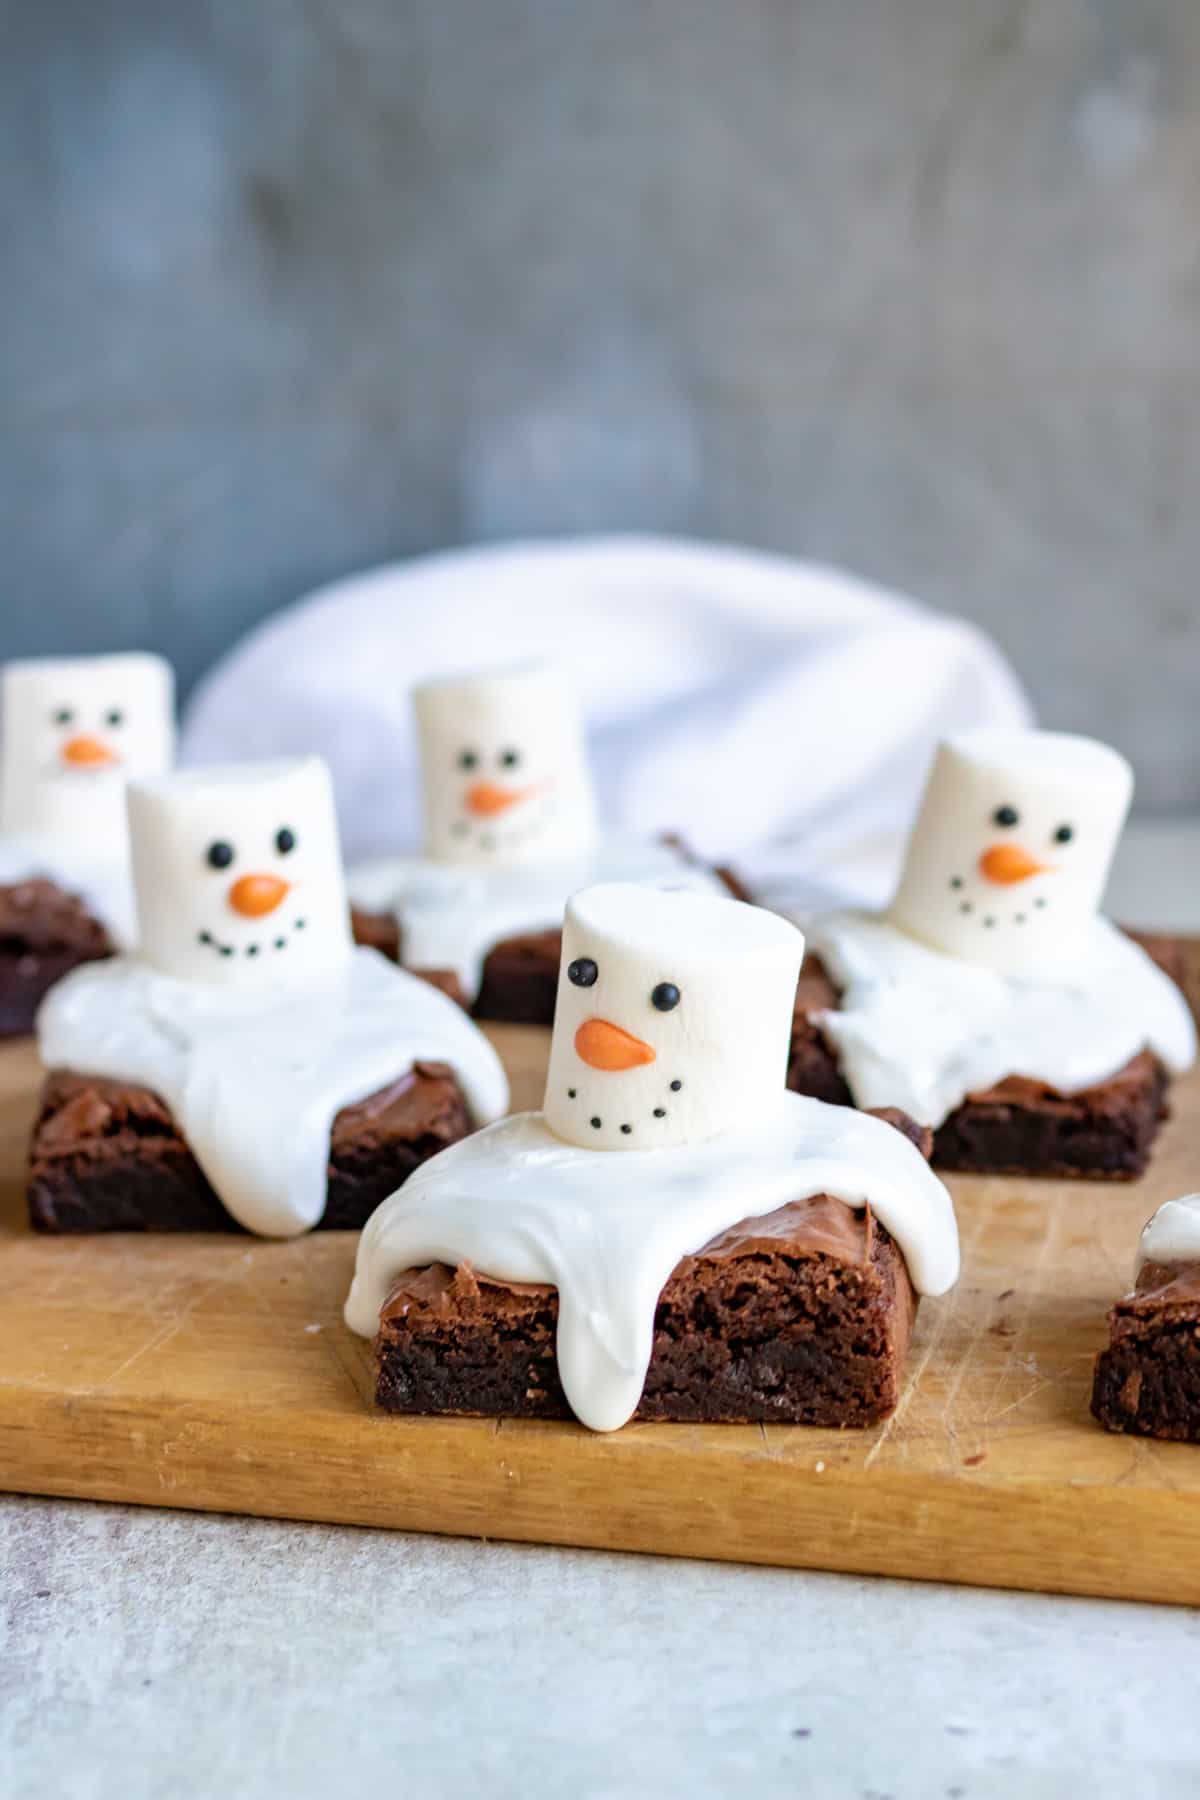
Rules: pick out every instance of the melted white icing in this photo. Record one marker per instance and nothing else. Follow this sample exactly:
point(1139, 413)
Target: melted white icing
point(1172, 1235)
point(255, 1079)
point(451, 916)
point(103, 880)
point(519, 1204)
point(921, 1031)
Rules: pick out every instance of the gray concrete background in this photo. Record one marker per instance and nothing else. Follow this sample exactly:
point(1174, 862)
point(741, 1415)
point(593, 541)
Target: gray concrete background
point(912, 285)
point(168, 1656)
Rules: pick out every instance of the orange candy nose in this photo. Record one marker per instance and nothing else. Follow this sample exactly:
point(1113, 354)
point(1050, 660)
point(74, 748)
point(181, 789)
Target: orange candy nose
point(605, 1046)
point(485, 798)
point(256, 895)
point(87, 752)
point(1007, 863)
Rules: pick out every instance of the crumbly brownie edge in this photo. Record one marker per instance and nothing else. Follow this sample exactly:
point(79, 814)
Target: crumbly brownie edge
point(784, 1336)
point(1147, 1381)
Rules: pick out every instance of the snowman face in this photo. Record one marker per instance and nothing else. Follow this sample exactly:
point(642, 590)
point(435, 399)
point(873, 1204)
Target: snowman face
point(673, 1017)
point(1011, 848)
point(504, 769)
point(75, 729)
point(238, 873)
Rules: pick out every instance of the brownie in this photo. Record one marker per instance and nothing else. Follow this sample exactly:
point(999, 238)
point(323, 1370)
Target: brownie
point(801, 1317)
point(1148, 1380)
point(44, 933)
point(519, 983)
point(1017, 1127)
point(108, 1155)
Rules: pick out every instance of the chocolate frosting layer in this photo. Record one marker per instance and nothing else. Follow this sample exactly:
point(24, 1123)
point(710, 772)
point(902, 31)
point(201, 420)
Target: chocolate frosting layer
point(819, 1226)
point(78, 1109)
point(1166, 1284)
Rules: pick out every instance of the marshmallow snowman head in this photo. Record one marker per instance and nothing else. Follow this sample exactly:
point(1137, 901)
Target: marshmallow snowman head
point(1011, 848)
point(239, 874)
point(75, 730)
point(504, 768)
point(673, 1018)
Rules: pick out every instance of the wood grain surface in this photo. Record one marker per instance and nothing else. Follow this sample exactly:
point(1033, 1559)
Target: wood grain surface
point(215, 1373)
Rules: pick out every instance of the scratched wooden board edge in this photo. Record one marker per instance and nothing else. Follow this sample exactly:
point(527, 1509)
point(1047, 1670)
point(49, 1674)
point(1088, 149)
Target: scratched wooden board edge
point(639, 1491)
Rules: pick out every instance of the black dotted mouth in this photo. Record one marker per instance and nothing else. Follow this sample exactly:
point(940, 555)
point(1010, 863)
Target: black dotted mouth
point(597, 1123)
point(990, 921)
point(251, 950)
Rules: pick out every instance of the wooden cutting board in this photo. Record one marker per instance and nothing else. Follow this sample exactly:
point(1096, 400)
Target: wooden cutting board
point(216, 1373)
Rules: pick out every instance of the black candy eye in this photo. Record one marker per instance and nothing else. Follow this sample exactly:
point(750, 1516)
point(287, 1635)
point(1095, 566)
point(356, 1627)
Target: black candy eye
point(509, 759)
point(63, 716)
point(468, 759)
point(220, 854)
point(1006, 815)
point(1064, 834)
point(666, 996)
point(285, 840)
point(583, 972)
point(114, 716)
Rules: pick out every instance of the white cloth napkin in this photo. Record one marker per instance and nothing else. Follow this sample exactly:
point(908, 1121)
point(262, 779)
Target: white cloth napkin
point(779, 714)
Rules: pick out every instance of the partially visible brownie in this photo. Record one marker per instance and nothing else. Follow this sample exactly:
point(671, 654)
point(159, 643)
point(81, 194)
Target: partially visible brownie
point(377, 931)
point(519, 984)
point(1023, 1127)
point(520, 974)
point(1017, 1127)
point(1148, 1380)
point(520, 979)
point(812, 1066)
point(802, 1317)
point(44, 933)
point(108, 1155)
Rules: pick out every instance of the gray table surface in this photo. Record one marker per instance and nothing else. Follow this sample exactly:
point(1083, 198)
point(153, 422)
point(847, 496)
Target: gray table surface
point(169, 1656)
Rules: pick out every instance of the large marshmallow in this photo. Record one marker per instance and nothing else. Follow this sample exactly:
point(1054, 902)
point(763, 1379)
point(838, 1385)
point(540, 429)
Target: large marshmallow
point(75, 730)
point(1011, 848)
point(239, 874)
point(673, 1017)
point(504, 768)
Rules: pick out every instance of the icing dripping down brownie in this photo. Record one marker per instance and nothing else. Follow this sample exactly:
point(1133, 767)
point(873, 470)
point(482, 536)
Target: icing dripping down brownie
point(993, 967)
point(247, 1013)
point(666, 1124)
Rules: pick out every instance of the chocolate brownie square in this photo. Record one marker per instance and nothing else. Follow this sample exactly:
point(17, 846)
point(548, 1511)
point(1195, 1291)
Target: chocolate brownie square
point(44, 933)
point(108, 1155)
point(800, 1317)
point(1148, 1380)
point(1017, 1127)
